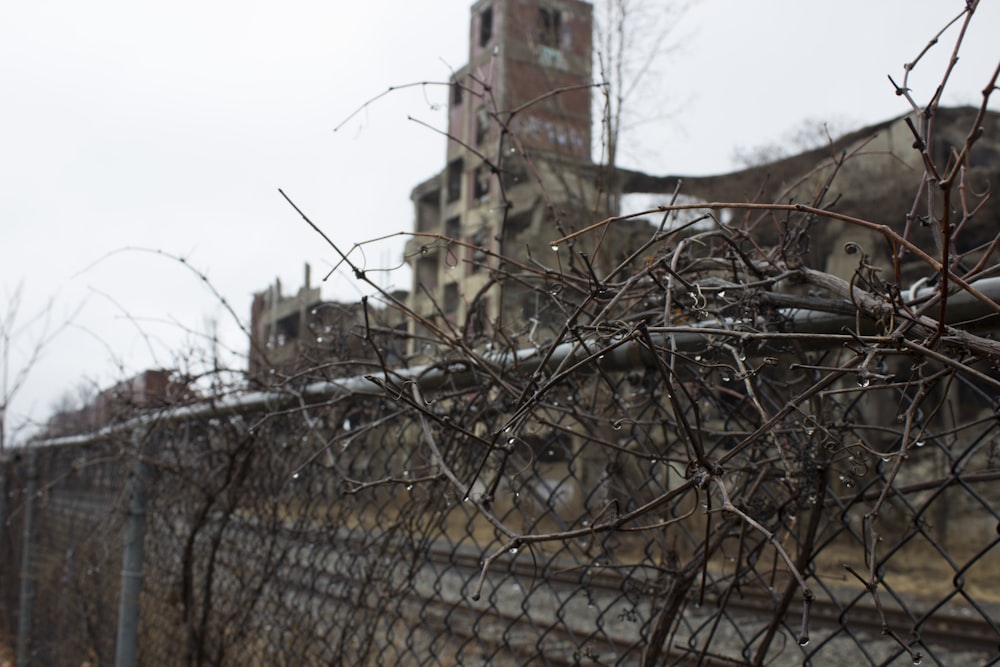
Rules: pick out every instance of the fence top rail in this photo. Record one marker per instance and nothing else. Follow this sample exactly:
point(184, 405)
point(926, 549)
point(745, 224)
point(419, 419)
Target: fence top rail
point(629, 354)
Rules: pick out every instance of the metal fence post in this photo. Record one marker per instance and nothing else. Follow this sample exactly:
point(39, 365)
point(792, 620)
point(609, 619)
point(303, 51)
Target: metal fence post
point(3, 501)
point(27, 596)
point(132, 557)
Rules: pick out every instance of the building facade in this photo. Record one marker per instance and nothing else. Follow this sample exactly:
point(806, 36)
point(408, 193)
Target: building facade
point(302, 338)
point(517, 158)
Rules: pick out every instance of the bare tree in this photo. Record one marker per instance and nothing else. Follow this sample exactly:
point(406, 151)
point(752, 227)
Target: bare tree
point(716, 428)
point(22, 346)
point(808, 134)
point(632, 39)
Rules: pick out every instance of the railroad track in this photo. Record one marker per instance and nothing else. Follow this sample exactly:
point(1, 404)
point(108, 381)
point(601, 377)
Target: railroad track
point(949, 629)
point(567, 634)
point(965, 630)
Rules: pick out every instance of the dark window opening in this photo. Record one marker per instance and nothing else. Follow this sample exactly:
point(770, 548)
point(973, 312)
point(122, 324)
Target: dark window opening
point(287, 329)
point(453, 227)
point(456, 93)
point(549, 27)
point(485, 26)
point(482, 125)
point(514, 172)
point(479, 317)
point(427, 272)
point(481, 247)
point(450, 298)
point(482, 184)
point(517, 224)
point(429, 211)
point(454, 180)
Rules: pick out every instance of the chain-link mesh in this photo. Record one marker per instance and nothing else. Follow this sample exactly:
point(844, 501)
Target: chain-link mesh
point(679, 443)
point(661, 444)
point(75, 550)
point(580, 514)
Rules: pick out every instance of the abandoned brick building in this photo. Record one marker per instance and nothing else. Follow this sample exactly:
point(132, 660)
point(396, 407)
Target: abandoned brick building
point(149, 390)
point(304, 338)
point(518, 157)
point(518, 174)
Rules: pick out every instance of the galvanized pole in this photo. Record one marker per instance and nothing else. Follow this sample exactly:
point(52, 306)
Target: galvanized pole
point(4, 465)
point(26, 602)
point(5, 469)
point(126, 647)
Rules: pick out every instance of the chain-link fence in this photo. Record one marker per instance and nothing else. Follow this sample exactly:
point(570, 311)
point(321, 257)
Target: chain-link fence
point(680, 443)
point(702, 494)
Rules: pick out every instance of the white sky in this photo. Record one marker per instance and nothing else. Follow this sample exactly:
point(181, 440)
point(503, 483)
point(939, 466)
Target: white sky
point(170, 126)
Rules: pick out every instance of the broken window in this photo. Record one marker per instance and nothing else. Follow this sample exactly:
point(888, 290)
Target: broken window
point(429, 211)
point(427, 273)
point(485, 26)
point(287, 329)
point(549, 27)
point(479, 317)
point(517, 224)
point(482, 125)
point(482, 184)
point(481, 246)
point(514, 172)
point(450, 305)
point(455, 180)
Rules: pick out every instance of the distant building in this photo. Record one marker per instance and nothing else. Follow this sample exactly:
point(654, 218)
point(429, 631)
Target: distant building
point(149, 390)
point(518, 175)
point(878, 182)
point(302, 337)
point(518, 158)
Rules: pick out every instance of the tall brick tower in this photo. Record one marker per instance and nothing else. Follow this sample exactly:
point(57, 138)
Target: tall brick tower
point(523, 51)
point(523, 97)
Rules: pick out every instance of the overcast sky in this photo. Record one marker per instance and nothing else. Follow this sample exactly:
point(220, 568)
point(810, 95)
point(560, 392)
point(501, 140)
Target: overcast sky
point(170, 126)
